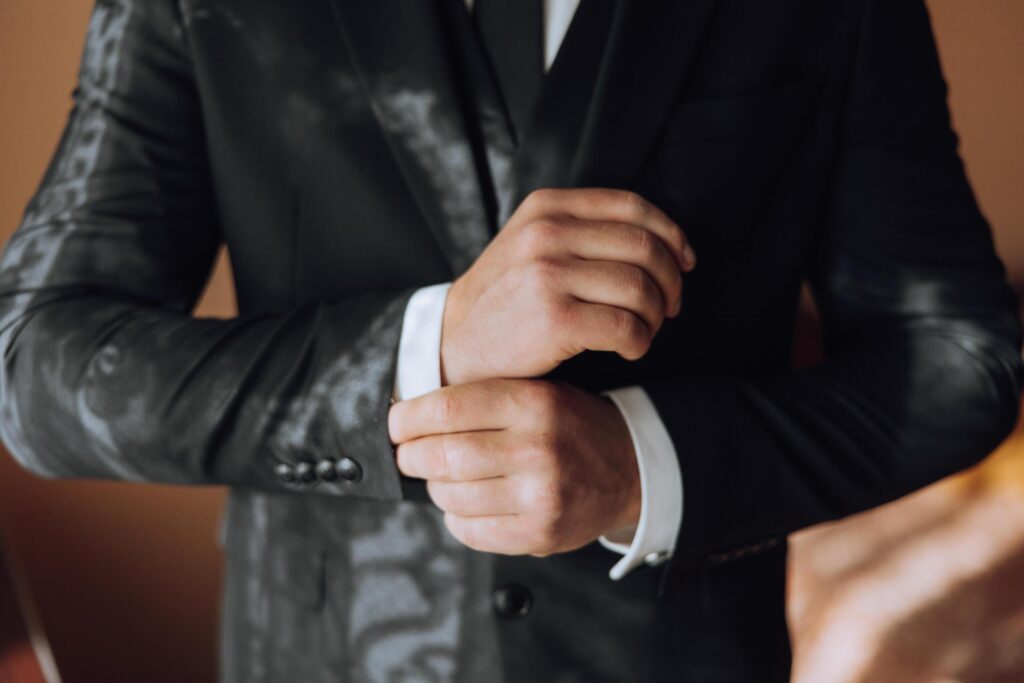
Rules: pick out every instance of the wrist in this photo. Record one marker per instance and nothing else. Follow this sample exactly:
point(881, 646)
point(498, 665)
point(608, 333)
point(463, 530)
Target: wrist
point(448, 317)
point(628, 519)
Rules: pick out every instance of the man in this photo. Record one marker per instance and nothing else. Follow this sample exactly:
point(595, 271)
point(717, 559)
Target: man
point(418, 214)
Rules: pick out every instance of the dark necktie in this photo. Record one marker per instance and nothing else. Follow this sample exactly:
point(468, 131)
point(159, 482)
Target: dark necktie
point(511, 31)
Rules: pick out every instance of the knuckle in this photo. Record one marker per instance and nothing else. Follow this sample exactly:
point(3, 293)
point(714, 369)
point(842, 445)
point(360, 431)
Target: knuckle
point(644, 242)
point(540, 460)
point(533, 454)
point(538, 199)
point(542, 398)
point(637, 204)
point(633, 333)
point(444, 466)
point(562, 312)
point(636, 284)
point(546, 498)
point(449, 408)
point(539, 276)
point(543, 394)
point(554, 312)
point(625, 325)
point(529, 202)
point(565, 316)
point(537, 236)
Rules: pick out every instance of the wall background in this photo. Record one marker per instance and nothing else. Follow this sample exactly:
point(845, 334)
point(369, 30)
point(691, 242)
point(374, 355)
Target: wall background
point(126, 576)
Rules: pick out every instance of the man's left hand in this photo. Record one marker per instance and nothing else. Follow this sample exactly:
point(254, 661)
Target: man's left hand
point(521, 466)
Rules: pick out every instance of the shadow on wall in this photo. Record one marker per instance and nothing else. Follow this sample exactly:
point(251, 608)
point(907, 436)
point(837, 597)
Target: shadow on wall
point(126, 576)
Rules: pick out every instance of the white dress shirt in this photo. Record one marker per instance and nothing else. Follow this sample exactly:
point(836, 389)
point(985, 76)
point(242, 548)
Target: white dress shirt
point(418, 371)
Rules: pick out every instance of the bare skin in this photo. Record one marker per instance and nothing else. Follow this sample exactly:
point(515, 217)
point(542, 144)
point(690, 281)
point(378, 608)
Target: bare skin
point(520, 466)
point(571, 270)
point(527, 466)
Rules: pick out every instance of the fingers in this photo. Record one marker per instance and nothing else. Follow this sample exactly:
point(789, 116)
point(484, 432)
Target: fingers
point(606, 328)
point(468, 407)
point(617, 284)
point(465, 456)
point(502, 534)
point(634, 246)
point(480, 498)
point(622, 206)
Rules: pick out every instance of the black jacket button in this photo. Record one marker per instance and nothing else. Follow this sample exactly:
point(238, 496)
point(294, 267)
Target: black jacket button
point(304, 473)
point(512, 601)
point(285, 472)
point(326, 470)
point(349, 469)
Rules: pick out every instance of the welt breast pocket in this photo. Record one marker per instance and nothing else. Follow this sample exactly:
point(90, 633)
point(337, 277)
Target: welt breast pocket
point(721, 161)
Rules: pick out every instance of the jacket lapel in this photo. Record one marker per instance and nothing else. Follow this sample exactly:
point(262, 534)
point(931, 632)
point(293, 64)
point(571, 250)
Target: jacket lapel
point(647, 53)
point(601, 108)
point(399, 50)
point(553, 135)
point(492, 120)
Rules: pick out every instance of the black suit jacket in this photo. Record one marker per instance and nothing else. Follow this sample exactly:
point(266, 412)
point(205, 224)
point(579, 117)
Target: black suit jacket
point(327, 144)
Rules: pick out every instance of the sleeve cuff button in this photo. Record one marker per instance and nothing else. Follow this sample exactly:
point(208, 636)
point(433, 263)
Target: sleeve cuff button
point(349, 469)
point(656, 557)
point(285, 472)
point(304, 473)
point(326, 470)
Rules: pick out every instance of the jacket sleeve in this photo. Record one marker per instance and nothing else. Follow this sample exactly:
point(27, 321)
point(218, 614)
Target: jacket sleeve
point(922, 366)
point(105, 373)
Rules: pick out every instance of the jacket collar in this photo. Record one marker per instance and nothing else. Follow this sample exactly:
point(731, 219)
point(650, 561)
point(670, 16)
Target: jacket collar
point(601, 107)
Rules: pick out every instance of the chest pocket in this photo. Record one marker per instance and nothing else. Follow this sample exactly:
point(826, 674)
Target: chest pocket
point(720, 161)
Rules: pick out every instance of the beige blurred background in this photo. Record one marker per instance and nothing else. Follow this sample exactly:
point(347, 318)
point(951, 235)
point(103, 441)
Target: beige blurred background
point(126, 577)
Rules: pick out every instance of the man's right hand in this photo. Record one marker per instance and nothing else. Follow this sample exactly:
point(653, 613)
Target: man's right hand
point(572, 270)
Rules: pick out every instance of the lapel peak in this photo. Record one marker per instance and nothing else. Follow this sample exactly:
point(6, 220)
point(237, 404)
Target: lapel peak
point(400, 51)
point(651, 50)
point(601, 108)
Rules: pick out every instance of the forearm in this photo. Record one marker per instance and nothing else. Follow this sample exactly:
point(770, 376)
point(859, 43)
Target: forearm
point(97, 386)
point(105, 373)
point(767, 456)
point(652, 538)
point(921, 331)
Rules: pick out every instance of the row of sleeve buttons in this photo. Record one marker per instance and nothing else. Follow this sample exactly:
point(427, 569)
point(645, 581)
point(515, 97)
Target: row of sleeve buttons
point(326, 470)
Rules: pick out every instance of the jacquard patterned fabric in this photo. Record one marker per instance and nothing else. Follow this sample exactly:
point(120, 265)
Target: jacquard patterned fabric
point(329, 146)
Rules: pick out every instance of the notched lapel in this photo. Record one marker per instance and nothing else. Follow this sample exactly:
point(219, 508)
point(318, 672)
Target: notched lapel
point(597, 137)
point(399, 50)
point(494, 125)
point(650, 51)
point(552, 137)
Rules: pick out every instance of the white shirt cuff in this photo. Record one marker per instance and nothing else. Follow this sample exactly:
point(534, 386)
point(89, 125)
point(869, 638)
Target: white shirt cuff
point(418, 366)
point(661, 484)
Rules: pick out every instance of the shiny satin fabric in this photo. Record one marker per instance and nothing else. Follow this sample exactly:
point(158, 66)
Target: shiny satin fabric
point(347, 154)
